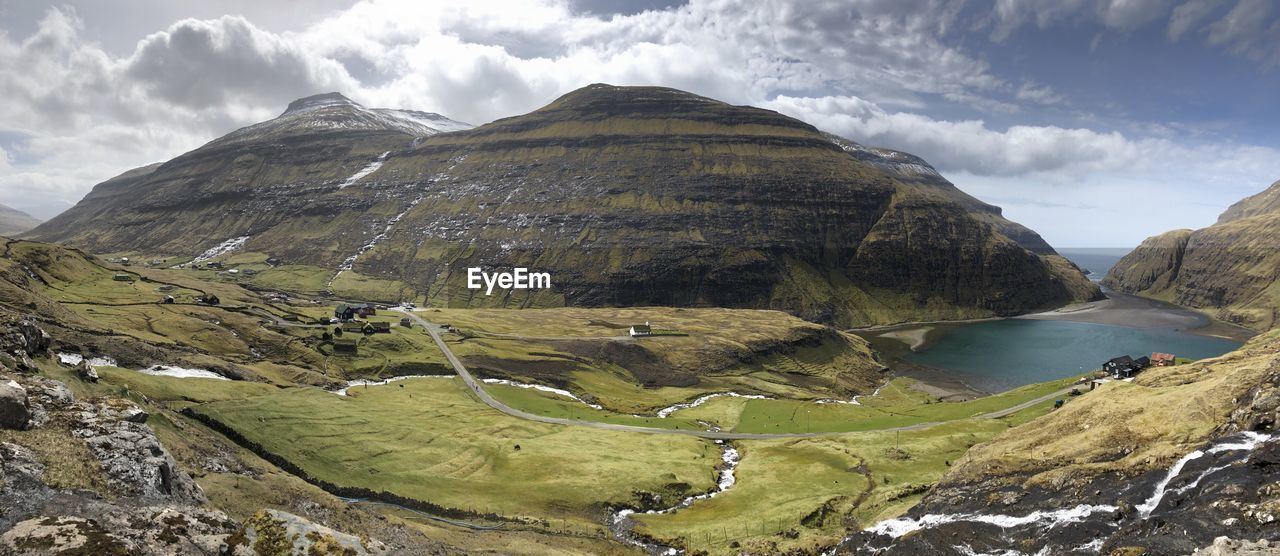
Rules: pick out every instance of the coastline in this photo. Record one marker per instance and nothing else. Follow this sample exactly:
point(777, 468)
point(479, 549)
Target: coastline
point(1133, 311)
point(894, 341)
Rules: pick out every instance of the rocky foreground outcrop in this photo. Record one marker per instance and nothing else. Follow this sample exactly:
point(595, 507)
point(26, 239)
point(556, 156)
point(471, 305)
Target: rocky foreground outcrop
point(627, 196)
point(1164, 465)
point(89, 476)
point(1231, 267)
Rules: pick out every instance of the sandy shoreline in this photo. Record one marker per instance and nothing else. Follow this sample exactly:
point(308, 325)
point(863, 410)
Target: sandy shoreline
point(1120, 309)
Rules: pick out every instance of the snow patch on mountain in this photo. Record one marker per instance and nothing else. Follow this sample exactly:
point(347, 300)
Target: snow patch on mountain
point(371, 168)
point(894, 161)
point(333, 111)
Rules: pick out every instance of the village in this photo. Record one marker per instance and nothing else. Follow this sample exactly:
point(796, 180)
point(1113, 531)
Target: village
point(1123, 367)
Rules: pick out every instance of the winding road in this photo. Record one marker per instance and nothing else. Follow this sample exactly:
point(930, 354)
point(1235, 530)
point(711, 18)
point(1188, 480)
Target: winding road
point(435, 331)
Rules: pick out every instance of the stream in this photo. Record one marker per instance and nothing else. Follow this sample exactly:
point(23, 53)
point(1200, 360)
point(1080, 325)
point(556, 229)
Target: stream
point(1045, 520)
point(173, 371)
point(621, 526)
point(667, 411)
point(354, 383)
point(541, 388)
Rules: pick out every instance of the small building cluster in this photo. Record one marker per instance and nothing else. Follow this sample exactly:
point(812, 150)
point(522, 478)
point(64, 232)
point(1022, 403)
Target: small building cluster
point(349, 311)
point(641, 330)
point(1126, 366)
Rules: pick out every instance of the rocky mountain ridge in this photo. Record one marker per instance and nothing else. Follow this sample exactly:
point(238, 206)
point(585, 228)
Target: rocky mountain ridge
point(626, 195)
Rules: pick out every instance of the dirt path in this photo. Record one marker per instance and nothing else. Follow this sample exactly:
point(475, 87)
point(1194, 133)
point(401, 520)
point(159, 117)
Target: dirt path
point(476, 388)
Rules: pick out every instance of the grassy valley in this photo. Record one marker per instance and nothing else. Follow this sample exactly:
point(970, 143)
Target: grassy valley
point(420, 449)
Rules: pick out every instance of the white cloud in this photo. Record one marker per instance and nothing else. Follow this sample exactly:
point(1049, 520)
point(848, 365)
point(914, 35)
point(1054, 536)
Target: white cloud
point(1039, 173)
point(967, 145)
point(1250, 28)
point(215, 63)
point(1038, 93)
point(1190, 14)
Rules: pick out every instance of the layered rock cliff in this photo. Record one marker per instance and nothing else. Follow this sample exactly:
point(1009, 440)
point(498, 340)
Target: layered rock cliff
point(1231, 268)
point(625, 195)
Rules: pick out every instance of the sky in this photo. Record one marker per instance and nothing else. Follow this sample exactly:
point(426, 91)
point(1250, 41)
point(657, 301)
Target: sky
point(1097, 123)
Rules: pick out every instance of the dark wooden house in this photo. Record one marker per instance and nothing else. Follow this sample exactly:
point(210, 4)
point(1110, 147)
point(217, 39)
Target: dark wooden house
point(344, 312)
point(1120, 367)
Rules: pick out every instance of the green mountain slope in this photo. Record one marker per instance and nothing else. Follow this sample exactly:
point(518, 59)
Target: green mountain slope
point(14, 221)
point(625, 195)
point(1231, 268)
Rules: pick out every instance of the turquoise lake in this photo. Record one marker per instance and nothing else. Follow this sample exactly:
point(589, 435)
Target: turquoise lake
point(999, 355)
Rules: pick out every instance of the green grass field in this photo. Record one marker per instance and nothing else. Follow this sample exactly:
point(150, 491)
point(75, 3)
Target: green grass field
point(803, 494)
point(553, 405)
point(897, 405)
point(428, 439)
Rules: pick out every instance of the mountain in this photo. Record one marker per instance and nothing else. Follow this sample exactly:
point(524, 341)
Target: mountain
point(625, 195)
point(334, 112)
point(14, 221)
point(1231, 267)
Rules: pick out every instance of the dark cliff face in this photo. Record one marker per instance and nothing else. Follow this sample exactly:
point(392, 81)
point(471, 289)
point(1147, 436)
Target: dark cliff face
point(1232, 266)
point(626, 195)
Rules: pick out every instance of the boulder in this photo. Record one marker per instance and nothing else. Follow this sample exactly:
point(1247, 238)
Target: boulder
point(135, 415)
point(86, 372)
point(277, 532)
point(25, 364)
point(61, 535)
point(35, 339)
point(1225, 546)
point(94, 527)
point(132, 458)
point(14, 411)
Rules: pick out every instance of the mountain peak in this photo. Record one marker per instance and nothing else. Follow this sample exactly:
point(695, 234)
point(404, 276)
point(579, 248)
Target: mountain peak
point(334, 112)
point(313, 102)
point(603, 94)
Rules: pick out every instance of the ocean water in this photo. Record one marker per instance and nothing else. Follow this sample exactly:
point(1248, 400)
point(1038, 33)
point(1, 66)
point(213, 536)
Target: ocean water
point(1097, 260)
point(999, 355)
